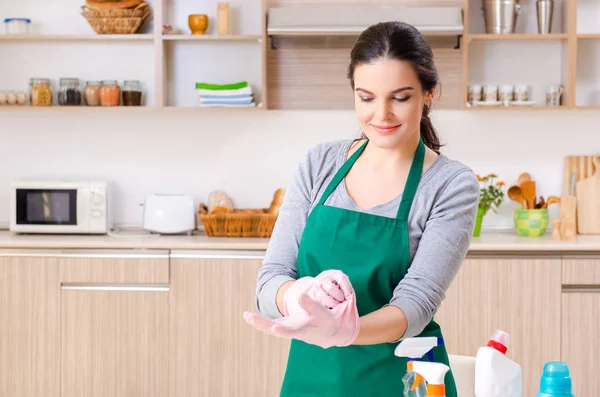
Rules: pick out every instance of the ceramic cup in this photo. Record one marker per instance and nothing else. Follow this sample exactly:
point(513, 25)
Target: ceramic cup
point(506, 93)
point(490, 93)
point(522, 93)
point(474, 93)
point(553, 94)
point(198, 23)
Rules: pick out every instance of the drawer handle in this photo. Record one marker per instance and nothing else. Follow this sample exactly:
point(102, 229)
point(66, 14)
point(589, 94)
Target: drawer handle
point(114, 287)
point(581, 288)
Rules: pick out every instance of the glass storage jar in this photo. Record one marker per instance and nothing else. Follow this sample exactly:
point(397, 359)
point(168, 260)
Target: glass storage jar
point(69, 93)
point(91, 93)
point(17, 25)
point(132, 93)
point(40, 92)
point(110, 93)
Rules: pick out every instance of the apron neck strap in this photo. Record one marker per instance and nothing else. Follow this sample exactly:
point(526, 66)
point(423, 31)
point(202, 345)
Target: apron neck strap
point(337, 178)
point(412, 182)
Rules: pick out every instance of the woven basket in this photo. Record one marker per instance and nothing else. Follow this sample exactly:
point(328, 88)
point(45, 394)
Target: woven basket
point(136, 12)
point(116, 25)
point(239, 223)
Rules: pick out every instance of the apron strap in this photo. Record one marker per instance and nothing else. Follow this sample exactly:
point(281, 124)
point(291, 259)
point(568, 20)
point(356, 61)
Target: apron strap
point(412, 182)
point(339, 176)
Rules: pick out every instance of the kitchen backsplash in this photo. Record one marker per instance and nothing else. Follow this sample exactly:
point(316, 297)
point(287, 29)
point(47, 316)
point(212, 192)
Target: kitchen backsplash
point(249, 154)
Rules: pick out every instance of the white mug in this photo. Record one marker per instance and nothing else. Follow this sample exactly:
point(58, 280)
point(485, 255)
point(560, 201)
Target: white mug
point(490, 93)
point(553, 94)
point(522, 93)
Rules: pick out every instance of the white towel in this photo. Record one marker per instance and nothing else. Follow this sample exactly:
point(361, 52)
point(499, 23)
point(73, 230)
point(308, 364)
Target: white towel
point(246, 90)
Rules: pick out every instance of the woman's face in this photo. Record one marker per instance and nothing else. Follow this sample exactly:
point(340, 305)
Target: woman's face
point(389, 101)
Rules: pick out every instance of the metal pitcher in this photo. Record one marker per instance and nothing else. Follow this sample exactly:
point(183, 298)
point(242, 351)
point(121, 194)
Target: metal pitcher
point(500, 15)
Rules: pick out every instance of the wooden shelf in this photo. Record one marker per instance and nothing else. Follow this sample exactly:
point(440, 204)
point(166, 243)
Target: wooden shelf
point(100, 37)
point(516, 108)
point(588, 36)
point(211, 37)
point(519, 36)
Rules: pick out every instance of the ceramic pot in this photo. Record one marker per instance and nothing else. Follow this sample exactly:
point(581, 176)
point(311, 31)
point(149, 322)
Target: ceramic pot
point(198, 23)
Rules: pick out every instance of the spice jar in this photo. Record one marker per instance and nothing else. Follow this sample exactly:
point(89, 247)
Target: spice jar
point(69, 93)
point(132, 93)
point(40, 93)
point(91, 93)
point(110, 93)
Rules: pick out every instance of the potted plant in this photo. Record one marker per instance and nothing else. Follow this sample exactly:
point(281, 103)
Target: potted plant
point(490, 197)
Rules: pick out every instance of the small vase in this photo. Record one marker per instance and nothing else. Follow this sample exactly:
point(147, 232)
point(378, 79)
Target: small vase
point(198, 23)
point(478, 220)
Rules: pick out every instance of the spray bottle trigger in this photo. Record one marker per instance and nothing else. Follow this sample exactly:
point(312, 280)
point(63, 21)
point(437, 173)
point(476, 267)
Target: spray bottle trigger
point(417, 382)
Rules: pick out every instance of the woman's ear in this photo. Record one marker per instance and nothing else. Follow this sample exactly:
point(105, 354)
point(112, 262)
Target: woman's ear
point(429, 96)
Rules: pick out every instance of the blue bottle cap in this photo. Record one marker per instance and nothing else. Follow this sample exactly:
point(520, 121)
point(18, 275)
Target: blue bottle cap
point(556, 380)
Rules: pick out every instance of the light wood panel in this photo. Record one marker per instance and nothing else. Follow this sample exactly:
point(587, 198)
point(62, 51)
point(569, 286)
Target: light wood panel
point(581, 340)
point(29, 327)
point(213, 352)
point(581, 270)
point(126, 269)
point(413, 3)
point(520, 295)
point(115, 343)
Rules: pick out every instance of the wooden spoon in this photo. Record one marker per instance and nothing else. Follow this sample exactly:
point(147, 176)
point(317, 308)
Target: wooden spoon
point(524, 177)
point(515, 194)
point(540, 203)
point(551, 200)
point(528, 189)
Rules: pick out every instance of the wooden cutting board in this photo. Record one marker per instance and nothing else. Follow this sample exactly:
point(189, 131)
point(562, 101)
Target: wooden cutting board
point(587, 192)
point(582, 166)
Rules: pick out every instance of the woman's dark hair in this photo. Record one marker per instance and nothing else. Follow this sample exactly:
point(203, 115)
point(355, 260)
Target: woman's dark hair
point(401, 41)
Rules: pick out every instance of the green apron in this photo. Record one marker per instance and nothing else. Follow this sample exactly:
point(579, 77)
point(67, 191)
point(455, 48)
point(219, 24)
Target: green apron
point(374, 252)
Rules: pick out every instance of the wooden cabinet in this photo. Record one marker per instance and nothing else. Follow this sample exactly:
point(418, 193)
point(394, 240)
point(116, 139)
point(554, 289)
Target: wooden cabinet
point(520, 295)
point(115, 323)
point(29, 325)
point(581, 322)
point(213, 352)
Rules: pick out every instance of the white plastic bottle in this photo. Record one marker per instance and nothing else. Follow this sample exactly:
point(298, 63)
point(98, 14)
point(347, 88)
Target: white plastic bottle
point(495, 374)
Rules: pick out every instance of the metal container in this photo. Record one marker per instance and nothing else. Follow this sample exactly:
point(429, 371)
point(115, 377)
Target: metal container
point(545, 9)
point(500, 15)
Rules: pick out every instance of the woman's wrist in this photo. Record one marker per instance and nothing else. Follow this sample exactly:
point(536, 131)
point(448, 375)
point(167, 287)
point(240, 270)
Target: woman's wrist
point(280, 299)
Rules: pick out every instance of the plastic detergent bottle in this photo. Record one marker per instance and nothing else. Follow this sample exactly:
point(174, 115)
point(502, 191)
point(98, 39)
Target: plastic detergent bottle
point(555, 381)
point(495, 374)
point(414, 349)
point(433, 373)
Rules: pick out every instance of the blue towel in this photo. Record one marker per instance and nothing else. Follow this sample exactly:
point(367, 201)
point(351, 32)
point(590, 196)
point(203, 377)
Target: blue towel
point(225, 102)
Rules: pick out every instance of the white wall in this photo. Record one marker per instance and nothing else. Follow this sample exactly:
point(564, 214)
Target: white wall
point(252, 153)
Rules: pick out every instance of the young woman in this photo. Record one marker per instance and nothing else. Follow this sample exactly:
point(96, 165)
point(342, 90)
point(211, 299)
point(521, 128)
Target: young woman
point(388, 210)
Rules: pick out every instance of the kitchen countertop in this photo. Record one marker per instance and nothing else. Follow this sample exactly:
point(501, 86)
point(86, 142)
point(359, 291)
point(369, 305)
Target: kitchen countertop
point(489, 241)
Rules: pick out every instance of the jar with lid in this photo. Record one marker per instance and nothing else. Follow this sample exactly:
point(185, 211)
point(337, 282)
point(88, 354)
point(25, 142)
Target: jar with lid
point(40, 92)
point(17, 25)
point(110, 93)
point(132, 93)
point(69, 93)
point(91, 93)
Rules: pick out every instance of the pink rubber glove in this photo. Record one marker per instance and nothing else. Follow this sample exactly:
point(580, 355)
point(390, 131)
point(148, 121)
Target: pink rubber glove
point(307, 317)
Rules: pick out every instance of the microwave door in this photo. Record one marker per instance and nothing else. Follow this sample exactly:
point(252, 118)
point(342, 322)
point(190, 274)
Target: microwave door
point(46, 207)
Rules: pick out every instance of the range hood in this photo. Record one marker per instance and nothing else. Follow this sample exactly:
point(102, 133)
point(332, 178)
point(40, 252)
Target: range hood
point(291, 21)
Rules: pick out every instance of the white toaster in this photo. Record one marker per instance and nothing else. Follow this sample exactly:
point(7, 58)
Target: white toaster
point(169, 213)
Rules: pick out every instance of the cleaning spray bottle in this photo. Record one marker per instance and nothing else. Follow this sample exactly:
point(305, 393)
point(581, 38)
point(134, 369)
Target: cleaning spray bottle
point(433, 373)
point(495, 374)
point(414, 349)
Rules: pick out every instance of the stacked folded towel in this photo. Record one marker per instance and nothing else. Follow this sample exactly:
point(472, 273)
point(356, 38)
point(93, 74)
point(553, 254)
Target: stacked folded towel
point(235, 94)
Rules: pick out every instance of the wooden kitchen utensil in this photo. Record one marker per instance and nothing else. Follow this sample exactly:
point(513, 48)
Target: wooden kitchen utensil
point(514, 193)
point(524, 177)
point(551, 200)
point(568, 213)
point(582, 166)
point(587, 192)
point(528, 189)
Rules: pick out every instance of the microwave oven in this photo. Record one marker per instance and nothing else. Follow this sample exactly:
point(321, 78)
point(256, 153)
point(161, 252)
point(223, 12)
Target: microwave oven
point(70, 207)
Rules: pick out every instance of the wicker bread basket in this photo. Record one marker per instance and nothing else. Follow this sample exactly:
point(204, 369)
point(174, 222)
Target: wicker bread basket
point(116, 21)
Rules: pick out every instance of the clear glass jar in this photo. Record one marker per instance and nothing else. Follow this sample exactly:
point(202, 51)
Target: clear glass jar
point(110, 93)
point(40, 92)
point(69, 93)
point(91, 93)
point(132, 93)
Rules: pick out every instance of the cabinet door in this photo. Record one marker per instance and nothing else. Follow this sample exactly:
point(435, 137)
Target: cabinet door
point(29, 325)
point(213, 351)
point(114, 335)
point(581, 339)
point(519, 295)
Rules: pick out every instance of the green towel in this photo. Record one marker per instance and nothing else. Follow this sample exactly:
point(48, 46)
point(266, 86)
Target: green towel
point(233, 86)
